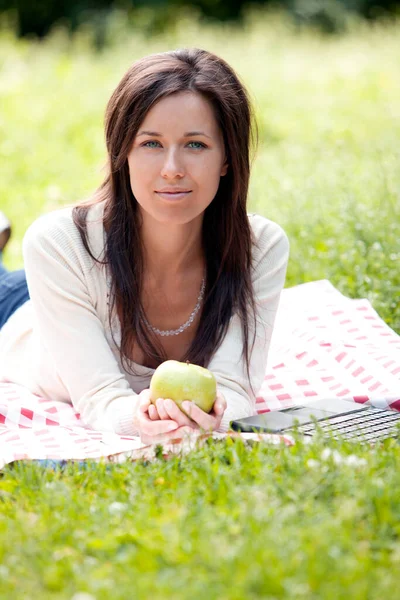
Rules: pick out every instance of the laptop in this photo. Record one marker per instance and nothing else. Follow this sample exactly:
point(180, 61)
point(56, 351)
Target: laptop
point(338, 418)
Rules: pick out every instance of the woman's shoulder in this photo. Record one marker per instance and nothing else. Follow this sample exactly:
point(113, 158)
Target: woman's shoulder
point(58, 227)
point(50, 220)
point(267, 233)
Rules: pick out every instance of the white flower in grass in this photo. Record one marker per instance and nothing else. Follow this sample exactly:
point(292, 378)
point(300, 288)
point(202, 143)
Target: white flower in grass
point(90, 561)
point(83, 596)
point(116, 508)
point(4, 571)
point(313, 464)
point(378, 482)
point(355, 461)
point(337, 458)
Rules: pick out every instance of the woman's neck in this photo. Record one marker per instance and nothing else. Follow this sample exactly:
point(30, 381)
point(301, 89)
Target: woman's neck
point(171, 251)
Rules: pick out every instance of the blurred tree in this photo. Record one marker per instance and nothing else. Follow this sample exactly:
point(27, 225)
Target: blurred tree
point(38, 16)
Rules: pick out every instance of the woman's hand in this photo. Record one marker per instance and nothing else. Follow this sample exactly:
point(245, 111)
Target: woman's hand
point(199, 420)
point(153, 428)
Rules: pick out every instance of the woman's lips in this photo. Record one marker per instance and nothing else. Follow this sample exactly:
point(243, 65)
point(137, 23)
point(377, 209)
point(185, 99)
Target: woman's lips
point(173, 195)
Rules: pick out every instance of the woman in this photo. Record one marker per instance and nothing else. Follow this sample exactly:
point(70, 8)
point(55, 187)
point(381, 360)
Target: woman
point(162, 262)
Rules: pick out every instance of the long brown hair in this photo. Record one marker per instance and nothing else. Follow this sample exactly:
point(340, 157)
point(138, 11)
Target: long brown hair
point(226, 233)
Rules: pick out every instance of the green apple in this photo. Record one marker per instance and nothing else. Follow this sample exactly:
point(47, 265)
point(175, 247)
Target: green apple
point(184, 381)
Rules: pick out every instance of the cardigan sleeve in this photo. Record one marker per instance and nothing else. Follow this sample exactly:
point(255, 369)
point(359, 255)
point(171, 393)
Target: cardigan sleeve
point(71, 330)
point(227, 364)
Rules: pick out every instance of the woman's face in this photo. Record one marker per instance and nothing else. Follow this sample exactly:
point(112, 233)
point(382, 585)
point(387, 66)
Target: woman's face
point(177, 158)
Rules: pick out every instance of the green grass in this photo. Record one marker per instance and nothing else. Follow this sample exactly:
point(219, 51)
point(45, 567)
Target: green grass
point(228, 521)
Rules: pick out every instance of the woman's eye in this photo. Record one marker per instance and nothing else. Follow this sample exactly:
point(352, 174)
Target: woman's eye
point(146, 144)
point(199, 144)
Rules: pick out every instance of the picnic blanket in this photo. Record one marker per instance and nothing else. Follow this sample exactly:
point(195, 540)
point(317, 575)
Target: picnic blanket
point(324, 345)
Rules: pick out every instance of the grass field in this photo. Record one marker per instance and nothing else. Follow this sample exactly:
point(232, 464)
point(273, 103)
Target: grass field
point(227, 521)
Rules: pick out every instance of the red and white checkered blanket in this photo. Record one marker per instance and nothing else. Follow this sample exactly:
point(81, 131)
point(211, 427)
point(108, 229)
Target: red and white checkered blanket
point(324, 346)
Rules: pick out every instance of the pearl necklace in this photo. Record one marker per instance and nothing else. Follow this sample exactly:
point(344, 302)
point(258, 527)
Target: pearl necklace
point(188, 322)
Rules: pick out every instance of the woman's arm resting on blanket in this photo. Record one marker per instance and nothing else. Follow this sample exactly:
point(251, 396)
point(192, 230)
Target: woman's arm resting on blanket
point(73, 333)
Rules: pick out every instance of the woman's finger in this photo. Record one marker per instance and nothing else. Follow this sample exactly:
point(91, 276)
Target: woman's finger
point(211, 420)
point(154, 428)
point(161, 409)
point(203, 419)
point(147, 425)
point(171, 411)
point(220, 404)
point(144, 401)
point(219, 407)
point(176, 414)
point(153, 414)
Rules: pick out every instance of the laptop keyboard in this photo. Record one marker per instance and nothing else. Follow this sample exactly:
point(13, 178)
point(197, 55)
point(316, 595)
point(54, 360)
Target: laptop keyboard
point(368, 425)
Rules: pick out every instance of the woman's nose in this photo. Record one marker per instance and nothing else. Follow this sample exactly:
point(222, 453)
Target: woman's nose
point(173, 165)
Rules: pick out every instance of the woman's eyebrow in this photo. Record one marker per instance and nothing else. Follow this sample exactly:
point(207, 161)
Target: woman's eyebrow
point(187, 134)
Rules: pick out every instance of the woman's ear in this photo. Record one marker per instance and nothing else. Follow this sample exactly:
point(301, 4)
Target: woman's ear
point(224, 168)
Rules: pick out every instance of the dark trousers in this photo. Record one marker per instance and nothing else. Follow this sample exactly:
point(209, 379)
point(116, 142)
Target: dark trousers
point(13, 292)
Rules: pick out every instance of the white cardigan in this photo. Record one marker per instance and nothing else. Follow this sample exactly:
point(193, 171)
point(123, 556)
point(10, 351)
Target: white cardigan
point(59, 344)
